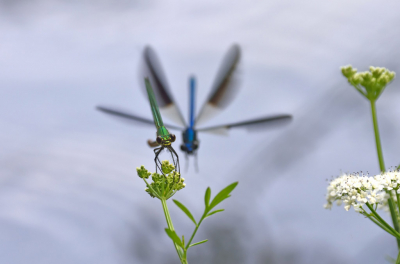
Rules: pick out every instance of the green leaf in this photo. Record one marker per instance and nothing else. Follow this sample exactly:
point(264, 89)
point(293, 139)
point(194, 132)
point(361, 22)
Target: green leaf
point(174, 237)
point(207, 197)
point(214, 212)
point(222, 195)
point(185, 210)
point(198, 243)
point(398, 168)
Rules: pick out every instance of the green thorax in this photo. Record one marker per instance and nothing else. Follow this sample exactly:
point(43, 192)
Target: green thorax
point(164, 134)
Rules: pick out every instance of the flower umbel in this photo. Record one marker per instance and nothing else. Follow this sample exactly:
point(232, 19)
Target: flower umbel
point(366, 195)
point(167, 167)
point(356, 190)
point(370, 84)
point(163, 186)
point(142, 172)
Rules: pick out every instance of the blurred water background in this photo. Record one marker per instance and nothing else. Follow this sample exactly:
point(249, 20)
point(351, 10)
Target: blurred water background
point(68, 186)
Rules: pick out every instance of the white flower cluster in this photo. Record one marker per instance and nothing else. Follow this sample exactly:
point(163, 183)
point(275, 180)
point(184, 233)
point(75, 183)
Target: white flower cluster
point(358, 189)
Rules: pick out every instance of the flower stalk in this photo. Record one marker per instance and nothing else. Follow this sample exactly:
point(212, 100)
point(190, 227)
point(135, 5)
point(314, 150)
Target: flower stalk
point(377, 137)
point(164, 187)
point(394, 212)
point(381, 191)
point(181, 252)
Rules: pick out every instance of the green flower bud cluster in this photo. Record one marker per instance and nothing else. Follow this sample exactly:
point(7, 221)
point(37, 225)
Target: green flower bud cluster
point(142, 172)
point(163, 186)
point(167, 167)
point(370, 84)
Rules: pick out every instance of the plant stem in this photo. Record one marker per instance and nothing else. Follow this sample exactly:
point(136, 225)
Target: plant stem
point(377, 137)
point(379, 224)
point(171, 227)
point(393, 211)
point(383, 222)
point(195, 230)
point(151, 188)
point(398, 258)
point(398, 200)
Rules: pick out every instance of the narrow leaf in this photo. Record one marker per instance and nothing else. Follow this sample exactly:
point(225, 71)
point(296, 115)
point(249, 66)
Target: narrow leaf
point(198, 243)
point(174, 237)
point(398, 168)
point(214, 212)
point(185, 210)
point(207, 197)
point(222, 195)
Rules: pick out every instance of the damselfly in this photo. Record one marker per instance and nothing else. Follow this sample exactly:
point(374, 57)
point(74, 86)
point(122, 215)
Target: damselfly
point(222, 92)
point(164, 138)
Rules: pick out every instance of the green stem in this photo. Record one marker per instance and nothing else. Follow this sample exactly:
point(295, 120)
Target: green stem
point(398, 200)
point(398, 258)
point(379, 224)
point(377, 137)
point(383, 222)
point(395, 217)
point(393, 211)
point(358, 88)
point(194, 233)
point(171, 227)
point(397, 214)
point(195, 230)
point(152, 190)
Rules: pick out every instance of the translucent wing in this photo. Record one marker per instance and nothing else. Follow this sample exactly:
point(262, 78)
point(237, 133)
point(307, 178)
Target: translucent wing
point(131, 117)
point(224, 87)
point(251, 125)
point(152, 69)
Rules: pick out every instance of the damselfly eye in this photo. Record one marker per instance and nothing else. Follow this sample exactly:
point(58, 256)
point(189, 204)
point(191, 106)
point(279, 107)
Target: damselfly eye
point(173, 137)
point(183, 147)
point(159, 140)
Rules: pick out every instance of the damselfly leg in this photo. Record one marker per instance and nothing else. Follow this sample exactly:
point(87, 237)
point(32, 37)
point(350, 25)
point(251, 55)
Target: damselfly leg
point(157, 161)
point(187, 162)
point(175, 160)
point(196, 164)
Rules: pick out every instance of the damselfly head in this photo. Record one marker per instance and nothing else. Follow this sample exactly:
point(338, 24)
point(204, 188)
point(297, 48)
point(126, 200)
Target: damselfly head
point(166, 140)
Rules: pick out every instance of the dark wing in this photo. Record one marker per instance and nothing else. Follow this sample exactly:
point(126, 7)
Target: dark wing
point(152, 69)
point(224, 87)
point(251, 125)
point(127, 116)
